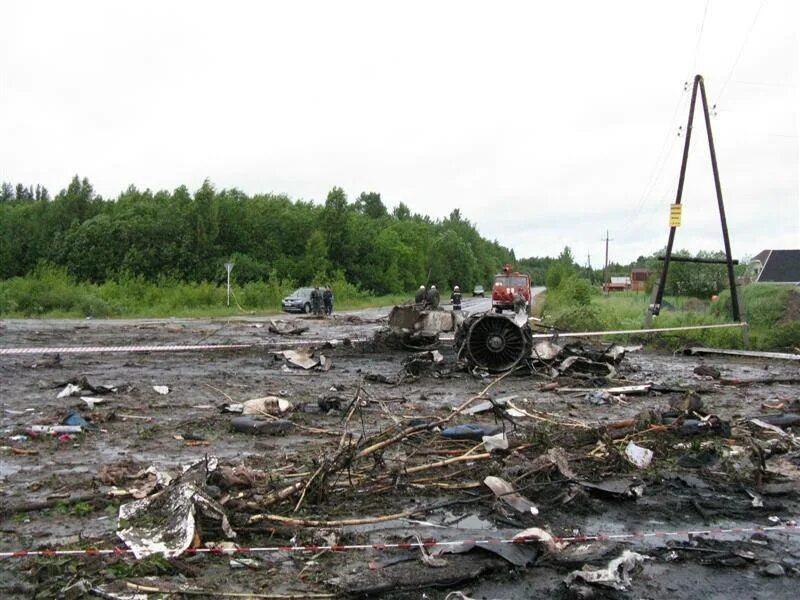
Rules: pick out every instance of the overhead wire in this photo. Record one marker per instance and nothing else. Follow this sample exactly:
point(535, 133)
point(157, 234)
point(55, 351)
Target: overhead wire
point(700, 36)
point(739, 54)
point(666, 149)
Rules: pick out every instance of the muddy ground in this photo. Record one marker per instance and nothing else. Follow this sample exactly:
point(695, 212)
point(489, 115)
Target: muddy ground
point(55, 492)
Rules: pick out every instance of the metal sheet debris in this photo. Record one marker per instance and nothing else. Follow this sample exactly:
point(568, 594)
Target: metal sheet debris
point(616, 575)
point(506, 493)
point(165, 522)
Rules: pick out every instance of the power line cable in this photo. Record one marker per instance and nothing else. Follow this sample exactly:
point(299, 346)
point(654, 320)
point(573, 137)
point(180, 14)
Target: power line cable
point(741, 50)
point(662, 156)
point(700, 36)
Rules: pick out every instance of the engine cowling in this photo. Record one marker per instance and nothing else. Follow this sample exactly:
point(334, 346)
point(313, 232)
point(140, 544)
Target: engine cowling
point(493, 341)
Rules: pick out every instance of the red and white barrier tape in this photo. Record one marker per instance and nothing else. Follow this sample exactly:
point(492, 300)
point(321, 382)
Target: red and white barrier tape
point(430, 543)
point(89, 349)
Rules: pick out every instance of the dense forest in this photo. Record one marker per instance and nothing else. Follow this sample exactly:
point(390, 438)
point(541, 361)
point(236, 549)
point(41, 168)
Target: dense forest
point(189, 237)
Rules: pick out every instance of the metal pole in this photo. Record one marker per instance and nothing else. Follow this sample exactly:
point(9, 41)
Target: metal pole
point(662, 282)
point(723, 221)
point(229, 268)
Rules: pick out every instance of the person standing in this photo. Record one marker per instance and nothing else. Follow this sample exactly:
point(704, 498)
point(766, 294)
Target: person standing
point(455, 298)
point(519, 302)
point(422, 294)
point(316, 301)
point(433, 298)
point(327, 300)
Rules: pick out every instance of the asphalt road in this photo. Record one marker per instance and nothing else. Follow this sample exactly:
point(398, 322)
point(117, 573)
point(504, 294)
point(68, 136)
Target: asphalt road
point(472, 304)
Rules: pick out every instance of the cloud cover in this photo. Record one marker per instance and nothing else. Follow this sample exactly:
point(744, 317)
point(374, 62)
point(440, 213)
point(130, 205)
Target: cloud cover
point(545, 123)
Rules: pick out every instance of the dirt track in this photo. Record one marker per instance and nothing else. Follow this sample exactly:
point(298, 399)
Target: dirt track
point(138, 424)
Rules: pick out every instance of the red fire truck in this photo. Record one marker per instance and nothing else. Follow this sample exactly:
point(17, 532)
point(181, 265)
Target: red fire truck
point(507, 286)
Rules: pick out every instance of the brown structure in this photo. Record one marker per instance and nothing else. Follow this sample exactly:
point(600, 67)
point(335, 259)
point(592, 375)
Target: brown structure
point(639, 279)
point(618, 284)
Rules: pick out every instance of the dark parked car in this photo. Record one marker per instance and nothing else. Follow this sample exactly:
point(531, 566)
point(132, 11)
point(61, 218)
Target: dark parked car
point(298, 301)
point(478, 291)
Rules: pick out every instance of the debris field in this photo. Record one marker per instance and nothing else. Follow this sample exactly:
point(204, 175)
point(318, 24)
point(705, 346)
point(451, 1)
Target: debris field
point(337, 458)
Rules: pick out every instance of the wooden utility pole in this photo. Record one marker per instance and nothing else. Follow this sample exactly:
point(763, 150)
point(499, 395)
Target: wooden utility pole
point(605, 267)
point(675, 212)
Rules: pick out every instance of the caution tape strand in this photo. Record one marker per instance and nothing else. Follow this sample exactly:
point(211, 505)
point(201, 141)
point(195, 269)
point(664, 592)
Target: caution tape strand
point(430, 543)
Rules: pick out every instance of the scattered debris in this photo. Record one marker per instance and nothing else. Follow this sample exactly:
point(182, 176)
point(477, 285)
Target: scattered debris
point(581, 366)
point(361, 461)
point(91, 402)
point(599, 397)
point(55, 429)
point(641, 457)
point(616, 488)
point(70, 390)
point(165, 522)
point(284, 328)
point(469, 431)
point(305, 359)
point(506, 493)
point(260, 406)
point(707, 371)
point(498, 441)
point(76, 385)
point(616, 575)
point(249, 424)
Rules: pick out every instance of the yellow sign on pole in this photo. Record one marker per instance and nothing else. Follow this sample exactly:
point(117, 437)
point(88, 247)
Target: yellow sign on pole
point(675, 215)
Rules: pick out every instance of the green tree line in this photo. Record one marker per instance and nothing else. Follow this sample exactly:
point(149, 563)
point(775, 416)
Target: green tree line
point(189, 236)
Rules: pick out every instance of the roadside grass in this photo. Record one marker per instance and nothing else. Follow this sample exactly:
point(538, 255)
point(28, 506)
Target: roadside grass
point(50, 292)
point(773, 312)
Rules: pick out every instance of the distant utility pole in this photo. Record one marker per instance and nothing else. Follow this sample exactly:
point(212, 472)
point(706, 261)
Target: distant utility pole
point(589, 266)
point(228, 268)
point(605, 267)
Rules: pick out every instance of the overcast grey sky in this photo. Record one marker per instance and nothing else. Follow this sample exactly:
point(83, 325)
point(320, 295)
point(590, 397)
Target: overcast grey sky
point(546, 123)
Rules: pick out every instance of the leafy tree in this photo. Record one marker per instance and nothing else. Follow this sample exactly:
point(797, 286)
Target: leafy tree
point(315, 266)
point(336, 226)
point(452, 261)
point(370, 205)
point(401, 212)
point(6, 192)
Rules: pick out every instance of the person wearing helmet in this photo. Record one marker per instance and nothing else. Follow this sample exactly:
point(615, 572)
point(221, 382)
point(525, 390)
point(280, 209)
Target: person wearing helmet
point(433, 298)
point(422, 293)
point(455, 298)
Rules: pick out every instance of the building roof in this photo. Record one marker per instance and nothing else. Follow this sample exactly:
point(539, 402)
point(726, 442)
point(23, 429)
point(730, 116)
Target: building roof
point(781, 266)
point(761, 257)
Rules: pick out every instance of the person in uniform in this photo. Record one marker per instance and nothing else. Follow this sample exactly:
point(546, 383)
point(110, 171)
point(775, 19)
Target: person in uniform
point(316, 301)
point(455, 298)
point(433, 298)
point(327, 300)
point(519, 302)
point(422, 294)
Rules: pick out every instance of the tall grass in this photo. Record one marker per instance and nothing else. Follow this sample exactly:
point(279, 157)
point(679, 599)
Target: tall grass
point(51, 292)
point(774, 324)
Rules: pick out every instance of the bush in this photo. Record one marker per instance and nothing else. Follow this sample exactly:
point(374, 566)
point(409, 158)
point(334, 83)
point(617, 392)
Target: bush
point(580, 318)
point(51, 289)
point(761, 304)
point(266, 294)
point(577, 291)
